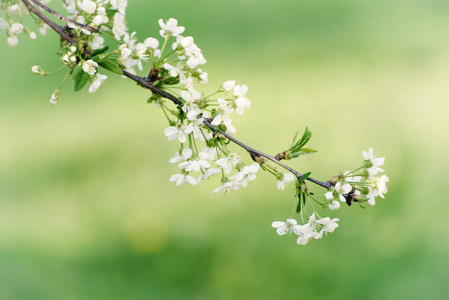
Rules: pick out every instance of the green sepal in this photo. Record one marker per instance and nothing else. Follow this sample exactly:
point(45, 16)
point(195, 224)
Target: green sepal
point(171, 80)
point(303, 177)
point(111, 66)
point(300, 196)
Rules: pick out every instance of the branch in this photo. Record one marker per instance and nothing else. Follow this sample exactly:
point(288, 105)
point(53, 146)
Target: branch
point(142, 81)
point(62, 18)
point(145, 83)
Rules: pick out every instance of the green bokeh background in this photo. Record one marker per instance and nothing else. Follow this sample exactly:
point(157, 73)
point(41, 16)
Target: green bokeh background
point(87, 211)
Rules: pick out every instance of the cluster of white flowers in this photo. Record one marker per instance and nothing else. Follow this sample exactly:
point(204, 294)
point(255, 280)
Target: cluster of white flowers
point(360, 185)
point(314, 229)
point(11, 21)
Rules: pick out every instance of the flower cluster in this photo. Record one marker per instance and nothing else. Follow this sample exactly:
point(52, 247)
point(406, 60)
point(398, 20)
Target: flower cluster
point(10, 21)
point(361, 185)
point(314, 229)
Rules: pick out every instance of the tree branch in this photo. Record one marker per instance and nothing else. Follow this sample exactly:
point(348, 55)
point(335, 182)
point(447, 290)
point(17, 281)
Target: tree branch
point(145, 83)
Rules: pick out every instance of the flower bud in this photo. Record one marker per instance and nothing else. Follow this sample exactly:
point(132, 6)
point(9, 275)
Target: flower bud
point(12, 41)
point(54, 97)
point(15, 28)
point(38, 70)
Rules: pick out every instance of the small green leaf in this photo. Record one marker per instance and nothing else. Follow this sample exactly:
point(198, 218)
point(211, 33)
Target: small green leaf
point(100, 51)
point(101, 57)
point(111, 66)
point(298, 207)
point(303, 177)
point(80, 79)
point(303, 151)
point(171, 80)
point(294, 139)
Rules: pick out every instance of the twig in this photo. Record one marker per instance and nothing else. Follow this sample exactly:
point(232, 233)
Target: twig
point(62, 18)
point(148, 85)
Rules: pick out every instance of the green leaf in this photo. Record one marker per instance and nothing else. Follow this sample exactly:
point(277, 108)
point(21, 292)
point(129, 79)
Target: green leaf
point(101, 57)
point(298, 207)
point(303, 141)
point(171, 80)
point(100, 51)
point(303, 151)
point(294, 139)
point(80, 79)
point(111, 66)
point(303, 177)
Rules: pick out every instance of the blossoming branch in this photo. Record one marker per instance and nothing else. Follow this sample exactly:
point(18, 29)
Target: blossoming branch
point(201, 125)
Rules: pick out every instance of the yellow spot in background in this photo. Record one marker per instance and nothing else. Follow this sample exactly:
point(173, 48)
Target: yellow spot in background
point(146, 234)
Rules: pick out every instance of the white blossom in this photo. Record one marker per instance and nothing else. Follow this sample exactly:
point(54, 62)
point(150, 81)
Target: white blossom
point(211, 152)
point(185, 155)
point(229, 85)
point(12, 40)
point(174, 71)
point(334, 205)
point(3, 24)
point(196, 165)
point(227, 187)
point(80, 20)
point(286, 179)
point(120, 5)
point(282, 228)
point(99, 80)
point(97, 42)
point(377, 188)
point(242, 103)
point(88, 6)
point(229, 162)
point(177, 132)
point(119, 28)
point(224, 115)
point(240, 90)
point(43, 29)
point(343, 189)
point(329, 225)
point(247, 174)
point(15, 28)
point(183, 179)
point(211, 172)
point(101, 17)
point(90, 66)
point(151, 43)
point(170, 28)
point(374, 161)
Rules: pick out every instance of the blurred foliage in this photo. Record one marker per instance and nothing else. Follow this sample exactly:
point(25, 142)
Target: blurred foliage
point(87, 211)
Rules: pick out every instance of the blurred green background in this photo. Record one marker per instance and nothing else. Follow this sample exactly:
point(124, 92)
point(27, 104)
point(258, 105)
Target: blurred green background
point(87, 211)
